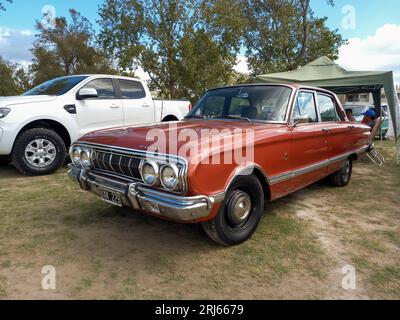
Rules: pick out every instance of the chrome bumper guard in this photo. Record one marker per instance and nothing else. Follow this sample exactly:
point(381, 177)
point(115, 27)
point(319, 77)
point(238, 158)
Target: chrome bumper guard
point(139, 197)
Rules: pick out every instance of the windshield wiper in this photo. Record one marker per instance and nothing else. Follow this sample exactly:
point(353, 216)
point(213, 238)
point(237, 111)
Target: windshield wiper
point(229, 116)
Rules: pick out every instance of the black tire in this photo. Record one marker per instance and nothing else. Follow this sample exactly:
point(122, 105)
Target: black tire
point(19, 158)
point(342, 177)
point(223, 229)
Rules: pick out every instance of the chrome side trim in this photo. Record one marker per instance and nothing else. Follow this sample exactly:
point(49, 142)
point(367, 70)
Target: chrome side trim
point(293, 174)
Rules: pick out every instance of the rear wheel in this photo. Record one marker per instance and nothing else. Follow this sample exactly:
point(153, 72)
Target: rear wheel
point(342, 177)
point(38, 151)
point(240, 213)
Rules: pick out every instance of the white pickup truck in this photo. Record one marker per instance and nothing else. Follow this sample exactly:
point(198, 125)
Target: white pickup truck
point(38, 127)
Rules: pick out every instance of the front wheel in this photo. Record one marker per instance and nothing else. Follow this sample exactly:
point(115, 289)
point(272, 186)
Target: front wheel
point(240, 213)
point(342, 177)
point(38, 151)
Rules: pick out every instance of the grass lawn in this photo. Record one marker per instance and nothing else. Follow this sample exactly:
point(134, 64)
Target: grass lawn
point(299, 250)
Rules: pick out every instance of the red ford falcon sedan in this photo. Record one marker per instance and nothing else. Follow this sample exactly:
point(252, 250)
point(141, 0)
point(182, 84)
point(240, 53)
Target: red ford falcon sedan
point(238, 148)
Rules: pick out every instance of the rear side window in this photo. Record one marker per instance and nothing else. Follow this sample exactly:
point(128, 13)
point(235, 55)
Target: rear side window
point(131, 89)
point(104, 87)
point(327, 108)
point(304, 109)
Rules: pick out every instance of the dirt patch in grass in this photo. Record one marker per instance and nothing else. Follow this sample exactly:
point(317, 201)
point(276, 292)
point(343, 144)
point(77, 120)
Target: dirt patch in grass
point(102, 252)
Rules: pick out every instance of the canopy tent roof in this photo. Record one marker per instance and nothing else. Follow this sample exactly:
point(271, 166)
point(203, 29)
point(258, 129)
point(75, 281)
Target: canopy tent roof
point(325, 73)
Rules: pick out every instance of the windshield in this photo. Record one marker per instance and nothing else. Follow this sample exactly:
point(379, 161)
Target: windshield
point(358, 110)
point(55, 87)
point(265, 103)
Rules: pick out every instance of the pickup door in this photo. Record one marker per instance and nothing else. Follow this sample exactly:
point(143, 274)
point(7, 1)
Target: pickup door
point(137, 103)
point(104, 111)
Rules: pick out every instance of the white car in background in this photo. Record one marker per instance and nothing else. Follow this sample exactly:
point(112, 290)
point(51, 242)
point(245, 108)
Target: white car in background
point(38, 127)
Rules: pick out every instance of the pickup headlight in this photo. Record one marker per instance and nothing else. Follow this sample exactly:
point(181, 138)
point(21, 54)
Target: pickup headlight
point(170, 176)
point(4, 112)
point(75, 155)
point(149, 171)
point(85, 158)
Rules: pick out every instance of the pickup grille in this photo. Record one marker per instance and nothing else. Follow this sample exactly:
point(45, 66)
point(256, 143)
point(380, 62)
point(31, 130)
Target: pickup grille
point(117, 163)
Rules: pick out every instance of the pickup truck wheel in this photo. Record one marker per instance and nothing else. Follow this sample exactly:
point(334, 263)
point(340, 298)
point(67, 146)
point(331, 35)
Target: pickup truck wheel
point(342, 177)
point(240, 213)
point(38, 151)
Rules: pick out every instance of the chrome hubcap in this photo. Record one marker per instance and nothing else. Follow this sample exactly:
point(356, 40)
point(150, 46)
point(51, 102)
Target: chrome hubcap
point(240, 208)
point(40, 153)
point(346, 170)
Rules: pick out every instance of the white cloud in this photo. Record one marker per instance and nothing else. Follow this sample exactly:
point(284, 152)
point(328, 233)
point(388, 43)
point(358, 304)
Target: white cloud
point(241, 65)
point(379, 52)
point(15, 45)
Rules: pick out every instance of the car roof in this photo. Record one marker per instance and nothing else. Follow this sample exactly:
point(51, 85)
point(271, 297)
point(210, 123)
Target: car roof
point(295, 86)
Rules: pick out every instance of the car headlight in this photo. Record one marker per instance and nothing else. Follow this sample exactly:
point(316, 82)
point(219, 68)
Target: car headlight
point(4, 112)
point(75, 155)
point(85, 159)
point(149, 172)
point(170, 176)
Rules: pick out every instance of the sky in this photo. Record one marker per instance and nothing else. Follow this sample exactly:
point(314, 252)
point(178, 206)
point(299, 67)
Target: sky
point(371, 27)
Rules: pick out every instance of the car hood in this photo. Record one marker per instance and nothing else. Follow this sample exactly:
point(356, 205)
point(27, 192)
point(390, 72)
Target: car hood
point(174, 138)
point(22, 100)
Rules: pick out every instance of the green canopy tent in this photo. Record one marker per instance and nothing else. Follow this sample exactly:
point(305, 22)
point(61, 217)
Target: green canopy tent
point(325, 73)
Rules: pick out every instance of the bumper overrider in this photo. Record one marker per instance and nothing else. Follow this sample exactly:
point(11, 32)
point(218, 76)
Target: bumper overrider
point(139, 197)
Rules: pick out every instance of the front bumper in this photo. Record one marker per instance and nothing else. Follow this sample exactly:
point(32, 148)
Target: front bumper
point(138, 197)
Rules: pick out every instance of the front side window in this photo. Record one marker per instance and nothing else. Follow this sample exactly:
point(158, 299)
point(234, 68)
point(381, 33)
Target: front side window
point(304, 108)
point(104, 87)
point(264, 103)
point(131, 89)
point(327, 108)
point(56, 87)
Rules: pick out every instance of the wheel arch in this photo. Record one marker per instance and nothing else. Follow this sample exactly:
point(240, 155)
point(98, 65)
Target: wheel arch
point(259, 173)
point(54, 125)
point(170, 118)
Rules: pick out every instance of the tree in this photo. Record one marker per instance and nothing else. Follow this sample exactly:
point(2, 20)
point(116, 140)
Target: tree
point(185, 45)
point(2, 7)
point(67, 48)
point(11, 76)
point(282, 35)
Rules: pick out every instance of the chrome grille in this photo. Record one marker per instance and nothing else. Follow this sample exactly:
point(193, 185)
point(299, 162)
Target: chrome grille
point(117, 163)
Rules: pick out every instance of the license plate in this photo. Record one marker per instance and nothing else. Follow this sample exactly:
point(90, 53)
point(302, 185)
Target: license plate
point(111, 197)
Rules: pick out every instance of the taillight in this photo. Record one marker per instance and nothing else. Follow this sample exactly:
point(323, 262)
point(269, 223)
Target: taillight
point(190, 107)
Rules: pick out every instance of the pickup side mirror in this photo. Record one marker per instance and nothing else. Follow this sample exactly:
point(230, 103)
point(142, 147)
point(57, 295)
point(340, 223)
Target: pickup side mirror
point(87, 93)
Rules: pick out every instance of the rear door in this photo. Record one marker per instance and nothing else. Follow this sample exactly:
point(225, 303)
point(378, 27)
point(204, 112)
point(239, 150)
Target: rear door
point(102, 112)
point(137, 104)
point(309, 144)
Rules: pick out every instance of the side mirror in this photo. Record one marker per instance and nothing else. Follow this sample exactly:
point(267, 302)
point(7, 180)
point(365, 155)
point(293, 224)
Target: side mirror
point(87, 93)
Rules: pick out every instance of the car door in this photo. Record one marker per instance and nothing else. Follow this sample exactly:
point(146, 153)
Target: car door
point(309, 143)
point(338, 131)
point(101, 112)
point(137, 104)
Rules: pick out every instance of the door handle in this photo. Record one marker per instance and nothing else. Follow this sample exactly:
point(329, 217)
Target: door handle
point(351, 127)
point(114, 106)
point(326, 130)
point(145, 105)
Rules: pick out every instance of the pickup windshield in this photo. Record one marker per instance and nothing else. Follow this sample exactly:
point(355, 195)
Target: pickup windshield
point(258, 102)
point(55, 87)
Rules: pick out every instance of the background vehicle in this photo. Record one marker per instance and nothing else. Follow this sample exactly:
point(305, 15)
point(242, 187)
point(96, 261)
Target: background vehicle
point(300, 136)
point(358, 114)
point(38, 127)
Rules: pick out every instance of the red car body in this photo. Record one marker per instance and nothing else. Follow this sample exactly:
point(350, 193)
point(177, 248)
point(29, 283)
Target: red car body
point(288, 156)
